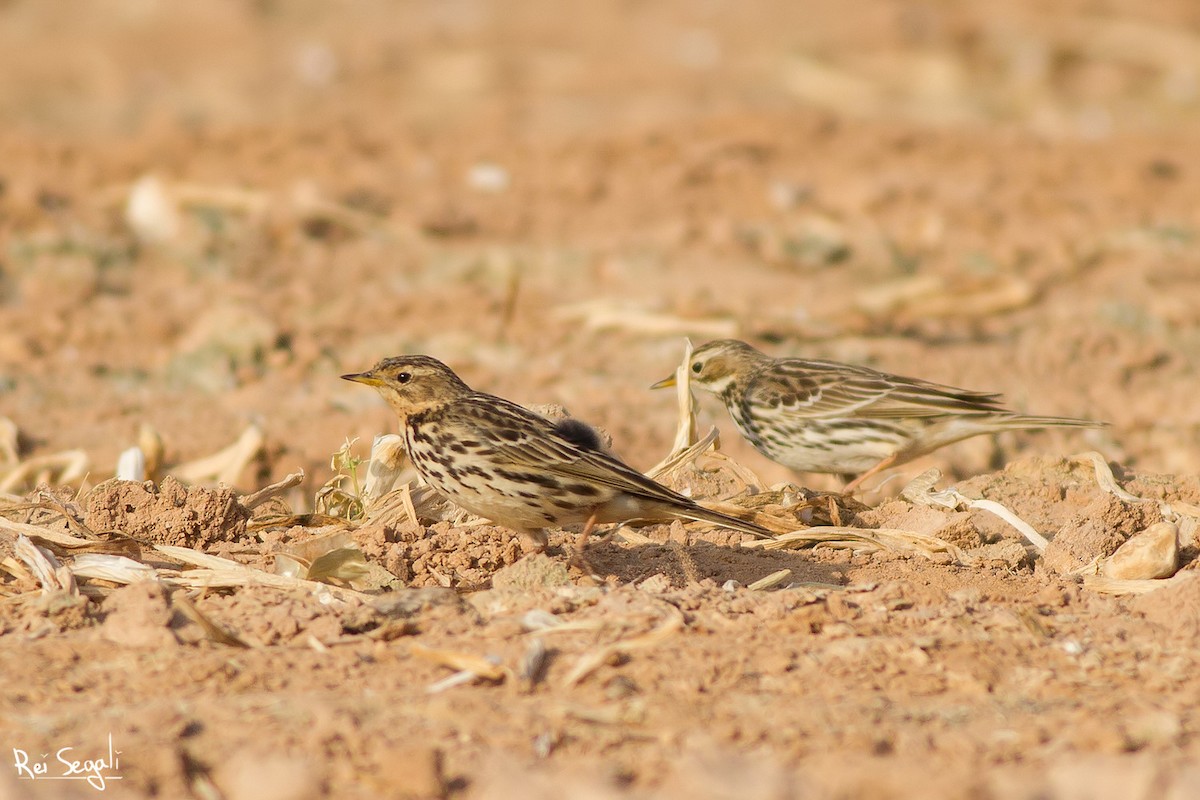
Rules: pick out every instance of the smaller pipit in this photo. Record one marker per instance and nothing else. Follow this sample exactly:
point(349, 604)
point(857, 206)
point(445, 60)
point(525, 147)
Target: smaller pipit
point(514, 467)
point(825, 416)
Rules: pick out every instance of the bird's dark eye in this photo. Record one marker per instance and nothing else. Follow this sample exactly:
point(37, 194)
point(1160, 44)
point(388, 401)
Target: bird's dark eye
point(403, 377)
point(697, 367)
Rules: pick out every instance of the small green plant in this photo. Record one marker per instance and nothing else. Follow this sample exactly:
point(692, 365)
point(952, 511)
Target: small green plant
point(341, 496)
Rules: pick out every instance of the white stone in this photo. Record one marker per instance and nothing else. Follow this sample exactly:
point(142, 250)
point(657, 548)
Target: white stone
point(1152, 553)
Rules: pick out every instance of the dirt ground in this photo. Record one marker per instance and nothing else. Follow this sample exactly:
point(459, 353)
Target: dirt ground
point(210, 211)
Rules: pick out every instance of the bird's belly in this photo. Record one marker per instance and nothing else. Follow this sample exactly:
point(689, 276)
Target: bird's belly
point(833, 447)
point(507, 495)
point(510, 511)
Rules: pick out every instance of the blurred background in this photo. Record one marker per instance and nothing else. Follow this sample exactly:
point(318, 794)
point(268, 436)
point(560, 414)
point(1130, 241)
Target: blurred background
point(209, 210)
point(1062, 69)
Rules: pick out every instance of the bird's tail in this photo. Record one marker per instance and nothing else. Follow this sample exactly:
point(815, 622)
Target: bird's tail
point(1023, 421)
point(703, 514)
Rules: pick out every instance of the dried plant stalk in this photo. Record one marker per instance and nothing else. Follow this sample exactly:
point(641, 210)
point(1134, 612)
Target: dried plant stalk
point(117, 569)
point(685, 428)
point(388, 458)
point(216, 572)
point(224, 466)
point(864, 539)
point(677, 459)
point(460, 662)
point(770, 581)
point(921, 491)
point(8, 442)
point(52, 575)
point(56, 468)
point(214, 631)
point(264, 494)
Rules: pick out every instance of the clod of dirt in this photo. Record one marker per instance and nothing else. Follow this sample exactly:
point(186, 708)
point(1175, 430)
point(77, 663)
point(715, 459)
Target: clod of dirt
point(411, 602)
point(408, 611)
point(1151, 554)
point(138, 615)
point(443, 555)
point(955, 527)
point(1095, 531)
point(531, 572)
point(170, 514)
point(1008, 554)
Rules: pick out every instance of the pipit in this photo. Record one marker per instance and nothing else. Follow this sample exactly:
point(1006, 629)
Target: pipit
point(514, 467)
point(824, 416)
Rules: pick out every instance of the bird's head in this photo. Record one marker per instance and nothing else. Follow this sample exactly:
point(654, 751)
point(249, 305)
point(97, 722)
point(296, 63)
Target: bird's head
point(719, 365)
point(411, 384)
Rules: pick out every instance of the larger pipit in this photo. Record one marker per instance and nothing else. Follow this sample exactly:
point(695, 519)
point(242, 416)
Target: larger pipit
point(512, 466)
point(825, 416)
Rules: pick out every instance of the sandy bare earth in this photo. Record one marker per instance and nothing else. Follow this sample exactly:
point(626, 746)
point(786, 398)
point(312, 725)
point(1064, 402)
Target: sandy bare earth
point(210, 211)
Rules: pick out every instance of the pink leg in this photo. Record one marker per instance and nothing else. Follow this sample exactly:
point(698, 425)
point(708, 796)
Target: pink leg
point(579, 558)
point(875, 470)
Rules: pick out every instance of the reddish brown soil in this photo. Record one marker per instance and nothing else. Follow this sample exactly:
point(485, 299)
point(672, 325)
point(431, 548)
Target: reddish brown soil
point(996, 196)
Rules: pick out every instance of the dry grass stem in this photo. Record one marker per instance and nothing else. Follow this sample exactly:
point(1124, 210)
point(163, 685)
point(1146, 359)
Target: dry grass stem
point(9, 439)
point(71, 512)
point(1184, 514)
point(55, 469)
point(480, 666)
point(685, 430)
point(410, 510)
point(53, 576)
point(864, 540)
point(256, 499)
point(16, 569)
point(921, 491)
point(629, 536)
point(221, 573)
point(770, 581)
point(224, 466)
point(416, 503)
point(57, 537)
point(1104, 476)
point(388, 459)
point(677, 459)
point(215, 632)
point(115, 569)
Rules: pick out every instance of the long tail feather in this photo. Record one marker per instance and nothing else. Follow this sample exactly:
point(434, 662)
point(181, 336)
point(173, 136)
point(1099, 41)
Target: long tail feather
point(725, 521)
point(1025, 421)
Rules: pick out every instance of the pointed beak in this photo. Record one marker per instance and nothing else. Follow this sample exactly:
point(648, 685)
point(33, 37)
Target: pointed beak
point(664, 383)
point(363, 377)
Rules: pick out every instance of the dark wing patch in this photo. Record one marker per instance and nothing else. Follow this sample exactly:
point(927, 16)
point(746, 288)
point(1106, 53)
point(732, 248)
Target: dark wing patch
point(542, 448)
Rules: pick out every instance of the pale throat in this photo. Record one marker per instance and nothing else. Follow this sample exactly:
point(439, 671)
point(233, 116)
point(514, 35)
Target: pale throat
point(720, 385)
